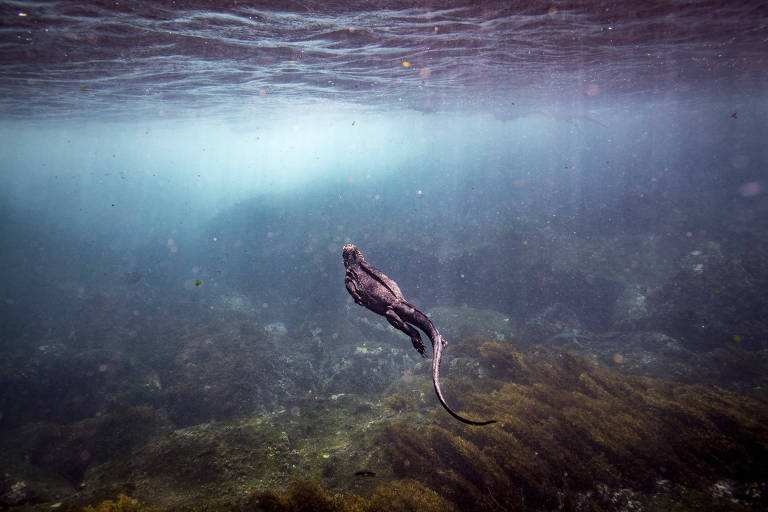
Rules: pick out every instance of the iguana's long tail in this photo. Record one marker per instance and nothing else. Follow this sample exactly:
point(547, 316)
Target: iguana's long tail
point(437, 353)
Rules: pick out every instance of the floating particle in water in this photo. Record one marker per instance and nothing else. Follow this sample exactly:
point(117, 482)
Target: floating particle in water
point(406, 64)
point(740, 162)
point(751, 189)
point(198, 283)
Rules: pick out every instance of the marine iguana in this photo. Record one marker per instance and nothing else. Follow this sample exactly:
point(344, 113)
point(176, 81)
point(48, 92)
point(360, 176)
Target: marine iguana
point(371, 288)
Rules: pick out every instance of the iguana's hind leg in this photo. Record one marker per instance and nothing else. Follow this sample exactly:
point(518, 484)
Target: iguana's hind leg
point(398, 324)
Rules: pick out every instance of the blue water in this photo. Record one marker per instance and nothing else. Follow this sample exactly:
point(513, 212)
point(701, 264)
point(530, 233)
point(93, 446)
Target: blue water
point(164, 167)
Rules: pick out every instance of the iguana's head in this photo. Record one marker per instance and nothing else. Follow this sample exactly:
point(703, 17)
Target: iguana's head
point(351, 255)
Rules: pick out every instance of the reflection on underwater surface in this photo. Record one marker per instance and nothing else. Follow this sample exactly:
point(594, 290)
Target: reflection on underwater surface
point(574, 194)
point(243, 60)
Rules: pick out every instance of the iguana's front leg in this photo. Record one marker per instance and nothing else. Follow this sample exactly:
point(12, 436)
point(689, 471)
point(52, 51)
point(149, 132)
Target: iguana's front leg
point(352, 289)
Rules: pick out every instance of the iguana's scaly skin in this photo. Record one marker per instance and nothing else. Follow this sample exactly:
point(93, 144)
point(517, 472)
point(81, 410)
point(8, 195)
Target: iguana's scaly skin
point(371, 288)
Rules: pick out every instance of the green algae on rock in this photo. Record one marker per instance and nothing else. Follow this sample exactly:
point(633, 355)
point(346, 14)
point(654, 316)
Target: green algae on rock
point(571, 436)
point(568, 429)
point(306, 496)
point(399, 495)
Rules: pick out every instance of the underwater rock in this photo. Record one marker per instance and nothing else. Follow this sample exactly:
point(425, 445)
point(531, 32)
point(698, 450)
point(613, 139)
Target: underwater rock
point(17, 493)
point(656, 354)
point(276, 329)
point(219, 373)
point(22, 484)
point(715, 299)
point(106, 320)
point(465, 322)
point(70, 450)
point(325, 439)
point(367, 368)
point(554, 325)
point(631, 307)
point(369, 326)
point(648, 353)
point(359, 354)
point(98, 381)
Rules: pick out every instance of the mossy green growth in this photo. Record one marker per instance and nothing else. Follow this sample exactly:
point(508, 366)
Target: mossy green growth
point(400, 402)
point(305, 496)
point(322, 439)
point(568, 428)
point(122, 504)
point(301, 495)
